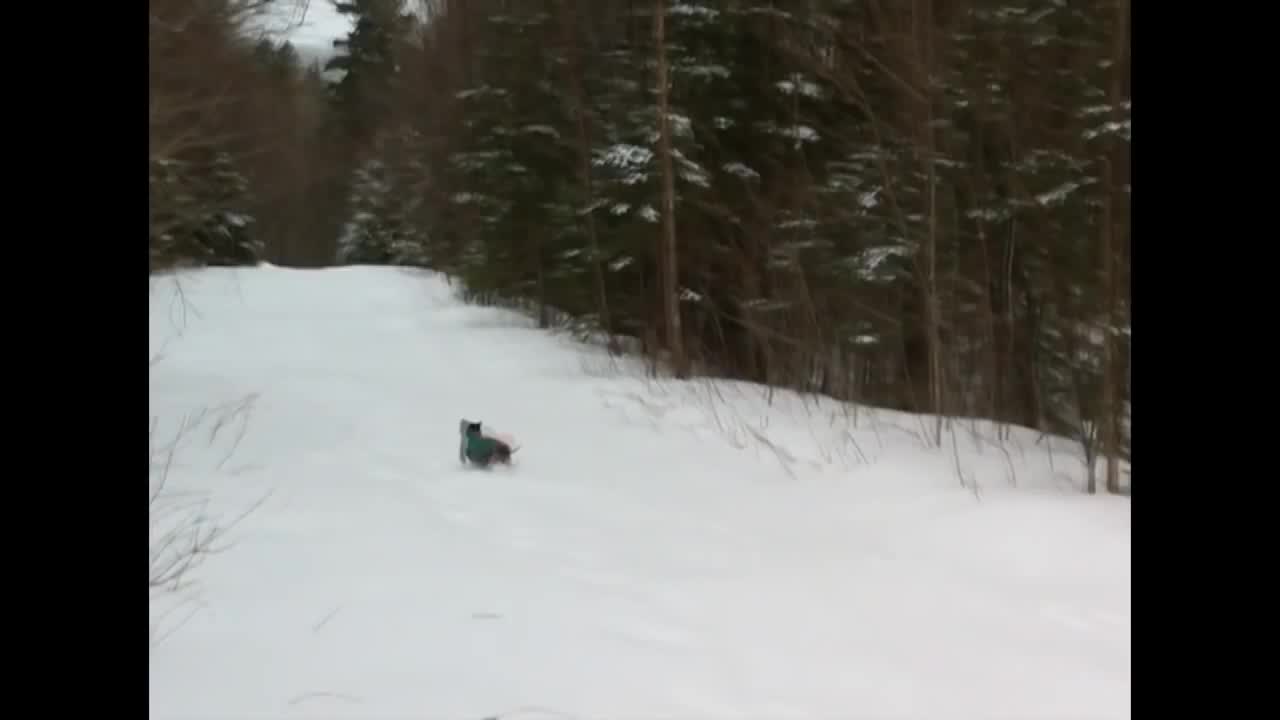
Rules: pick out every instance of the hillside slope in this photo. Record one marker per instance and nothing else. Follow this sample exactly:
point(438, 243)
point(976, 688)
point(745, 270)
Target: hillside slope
point(659, 550)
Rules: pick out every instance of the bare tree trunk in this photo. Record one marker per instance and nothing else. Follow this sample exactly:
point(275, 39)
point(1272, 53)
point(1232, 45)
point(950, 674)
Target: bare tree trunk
point(667, 244)
point(933, 307)
point(1111, 377)
point(544, 317)
point(584, 167)
point(924, 56)
point(1011, 321)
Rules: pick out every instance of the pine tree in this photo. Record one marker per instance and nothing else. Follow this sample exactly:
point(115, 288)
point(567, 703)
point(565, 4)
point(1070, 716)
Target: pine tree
point(367, 59)
point(916, 205)
point(386, 227)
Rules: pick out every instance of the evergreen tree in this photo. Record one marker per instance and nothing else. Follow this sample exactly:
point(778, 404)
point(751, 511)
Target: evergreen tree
point(386, 227)
point(908, 204)
point(207, 217)
point(367, 59)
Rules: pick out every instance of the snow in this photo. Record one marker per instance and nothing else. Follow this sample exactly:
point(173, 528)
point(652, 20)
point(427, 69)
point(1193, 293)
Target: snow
point(546, 130)
point(797, 83)
point(622, 155)
point(659, 549)
point(800, 133)
point(869, 261)
point(1124, 129)
point(741, 170)
point(237, 219)
point(1059, 194)
point(595, 205)
point(704, 71)
point(482, 91)
point(797, 224)
point(704, 13)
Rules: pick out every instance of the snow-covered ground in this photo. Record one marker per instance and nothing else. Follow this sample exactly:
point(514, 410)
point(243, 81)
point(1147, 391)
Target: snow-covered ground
point(660, 550)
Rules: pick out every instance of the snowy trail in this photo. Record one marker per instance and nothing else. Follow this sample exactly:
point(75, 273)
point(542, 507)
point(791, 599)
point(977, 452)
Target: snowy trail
point(621, 569)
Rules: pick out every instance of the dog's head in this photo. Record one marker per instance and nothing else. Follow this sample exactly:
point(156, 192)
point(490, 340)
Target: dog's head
point(466, 426)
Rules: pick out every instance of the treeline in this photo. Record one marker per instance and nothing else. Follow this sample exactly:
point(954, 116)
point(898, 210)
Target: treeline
point(919, 204)
point(248, 161)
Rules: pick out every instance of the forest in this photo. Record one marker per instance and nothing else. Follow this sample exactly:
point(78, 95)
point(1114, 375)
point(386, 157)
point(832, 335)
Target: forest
point(921, 205)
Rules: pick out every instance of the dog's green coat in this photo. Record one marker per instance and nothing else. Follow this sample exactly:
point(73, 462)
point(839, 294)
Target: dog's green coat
point(478, 448)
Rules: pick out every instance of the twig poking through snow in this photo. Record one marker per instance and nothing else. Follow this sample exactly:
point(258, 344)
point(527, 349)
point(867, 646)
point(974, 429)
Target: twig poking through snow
point(534, 709)
point(321, 694)
point(325, 620)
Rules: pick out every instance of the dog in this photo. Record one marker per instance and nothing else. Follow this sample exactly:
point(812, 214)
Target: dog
point(477, 448)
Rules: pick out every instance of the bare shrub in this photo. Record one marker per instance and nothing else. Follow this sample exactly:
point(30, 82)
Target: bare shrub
point(184, 531)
